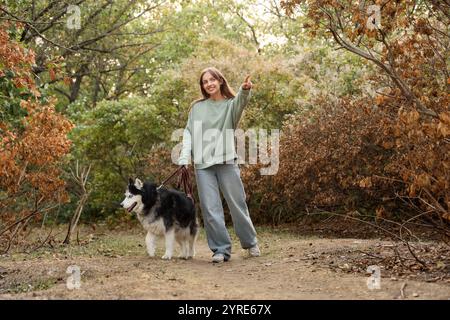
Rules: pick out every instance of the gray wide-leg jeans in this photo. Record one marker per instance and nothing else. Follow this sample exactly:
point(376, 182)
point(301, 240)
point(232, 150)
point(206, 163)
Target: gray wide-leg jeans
point(225, 177)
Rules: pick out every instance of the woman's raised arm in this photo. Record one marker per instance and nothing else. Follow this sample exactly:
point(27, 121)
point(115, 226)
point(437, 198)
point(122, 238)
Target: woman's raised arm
point(241, 99)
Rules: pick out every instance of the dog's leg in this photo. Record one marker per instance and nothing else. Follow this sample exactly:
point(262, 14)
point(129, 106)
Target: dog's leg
point(181, 241)
point(150, 241)
point(170, 241)
point(184, 249)
point(192, 239)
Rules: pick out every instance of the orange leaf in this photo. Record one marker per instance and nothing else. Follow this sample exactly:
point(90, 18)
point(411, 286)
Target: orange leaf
point(445, 117)
point(52, 74)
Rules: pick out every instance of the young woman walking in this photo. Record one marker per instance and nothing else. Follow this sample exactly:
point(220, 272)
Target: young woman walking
point(209, 139)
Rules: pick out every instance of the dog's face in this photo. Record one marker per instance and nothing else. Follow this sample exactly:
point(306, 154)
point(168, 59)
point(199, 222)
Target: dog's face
point(133, 195)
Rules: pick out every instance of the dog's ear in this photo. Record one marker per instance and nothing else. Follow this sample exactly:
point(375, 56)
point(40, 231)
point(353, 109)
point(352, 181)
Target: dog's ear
point(138, 183)
point(130, 181)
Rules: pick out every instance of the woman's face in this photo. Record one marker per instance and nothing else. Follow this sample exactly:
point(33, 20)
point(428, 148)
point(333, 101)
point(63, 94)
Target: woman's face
point(210, 84)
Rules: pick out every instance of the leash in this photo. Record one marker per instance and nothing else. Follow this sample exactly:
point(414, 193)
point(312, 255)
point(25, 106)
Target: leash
point(165, 181)
point(184, 179)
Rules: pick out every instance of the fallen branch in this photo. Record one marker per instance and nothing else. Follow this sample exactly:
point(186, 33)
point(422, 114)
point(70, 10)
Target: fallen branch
point(42, 243)
point(378, 227)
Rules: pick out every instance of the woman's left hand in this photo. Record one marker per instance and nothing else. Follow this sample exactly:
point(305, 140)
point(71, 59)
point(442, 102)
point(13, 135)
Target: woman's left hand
point(247, 85)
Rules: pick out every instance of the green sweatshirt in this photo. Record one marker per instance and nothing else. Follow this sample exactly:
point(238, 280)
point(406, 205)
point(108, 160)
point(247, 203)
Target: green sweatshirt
point(209, 134)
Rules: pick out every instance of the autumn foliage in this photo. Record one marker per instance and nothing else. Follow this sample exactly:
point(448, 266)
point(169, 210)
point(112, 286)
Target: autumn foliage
point(368, 134)
point(33, 141)
point(387, 154)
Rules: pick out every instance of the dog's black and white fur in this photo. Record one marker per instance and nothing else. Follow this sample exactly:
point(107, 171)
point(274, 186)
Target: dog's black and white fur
point(163, 212)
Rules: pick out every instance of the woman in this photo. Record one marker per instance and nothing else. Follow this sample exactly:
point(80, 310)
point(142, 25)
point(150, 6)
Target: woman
point(209, 138)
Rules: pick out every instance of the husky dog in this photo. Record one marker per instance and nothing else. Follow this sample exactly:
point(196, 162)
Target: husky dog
point(163, 212)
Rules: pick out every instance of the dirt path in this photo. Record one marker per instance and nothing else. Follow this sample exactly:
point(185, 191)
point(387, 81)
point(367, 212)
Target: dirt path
point(115, 266)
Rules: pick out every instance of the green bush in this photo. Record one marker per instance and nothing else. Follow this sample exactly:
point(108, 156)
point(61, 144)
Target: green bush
point(115, 138)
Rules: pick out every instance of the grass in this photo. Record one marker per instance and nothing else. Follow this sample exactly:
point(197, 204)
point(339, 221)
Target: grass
point(116, 243)
point(35, 285)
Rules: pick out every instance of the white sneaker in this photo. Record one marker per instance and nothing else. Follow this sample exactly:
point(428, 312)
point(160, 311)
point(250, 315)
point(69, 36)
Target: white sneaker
point(254, 251)
point(218, 257)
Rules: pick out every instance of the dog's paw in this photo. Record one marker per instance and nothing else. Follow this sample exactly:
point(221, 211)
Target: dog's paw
point(151, 255)
point(166, 257)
